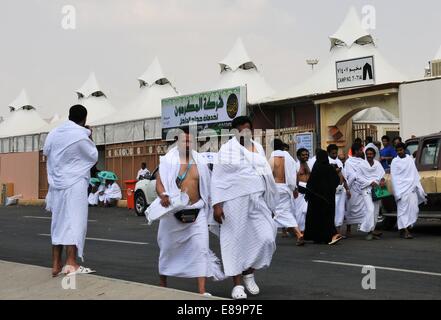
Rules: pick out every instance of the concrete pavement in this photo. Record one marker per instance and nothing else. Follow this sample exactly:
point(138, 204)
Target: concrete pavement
point(27, 282)
point(121, 245)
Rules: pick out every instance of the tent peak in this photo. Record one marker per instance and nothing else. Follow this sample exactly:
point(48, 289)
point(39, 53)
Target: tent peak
point(90, 88)
point(351, 31)
point(153, 75)
point(21, 102)
point(237, 58)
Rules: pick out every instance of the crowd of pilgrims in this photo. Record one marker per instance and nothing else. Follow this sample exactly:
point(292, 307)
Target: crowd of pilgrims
point(246, 198)
point(243, 198)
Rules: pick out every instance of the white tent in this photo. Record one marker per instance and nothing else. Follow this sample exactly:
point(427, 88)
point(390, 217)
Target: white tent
point(375, 115)
point(93, 98)
point(154, 86)
point(237, 69)
point(23, 119)
point(349, 42)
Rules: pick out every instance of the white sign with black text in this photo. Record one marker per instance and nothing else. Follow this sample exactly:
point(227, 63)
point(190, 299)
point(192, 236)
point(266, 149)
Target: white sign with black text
point(355, 72)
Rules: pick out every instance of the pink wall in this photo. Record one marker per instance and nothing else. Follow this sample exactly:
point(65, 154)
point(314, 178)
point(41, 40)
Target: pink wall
point(21, 169)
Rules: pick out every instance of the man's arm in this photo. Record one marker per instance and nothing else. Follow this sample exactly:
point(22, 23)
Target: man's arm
point(160, 190)
point(218, 213)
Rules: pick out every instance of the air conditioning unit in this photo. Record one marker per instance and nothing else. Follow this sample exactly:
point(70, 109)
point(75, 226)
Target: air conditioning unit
point(435, 68)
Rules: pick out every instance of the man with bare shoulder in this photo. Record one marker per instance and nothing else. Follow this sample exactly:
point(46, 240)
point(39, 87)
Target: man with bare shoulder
point(284, 170)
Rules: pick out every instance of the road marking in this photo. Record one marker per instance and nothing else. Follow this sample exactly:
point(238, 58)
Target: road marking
point(105, 240)
point(379, 268)
point(49, 218)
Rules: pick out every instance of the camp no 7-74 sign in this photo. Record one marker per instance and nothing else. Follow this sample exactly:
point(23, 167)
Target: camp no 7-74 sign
point(206, 108)
point(355, 72)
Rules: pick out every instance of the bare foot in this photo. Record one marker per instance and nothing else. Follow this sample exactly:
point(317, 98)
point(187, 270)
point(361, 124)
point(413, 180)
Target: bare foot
point(56, 269)
point(69, 268)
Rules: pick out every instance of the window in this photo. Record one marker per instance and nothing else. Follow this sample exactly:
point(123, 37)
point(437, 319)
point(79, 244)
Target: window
point(430, 152)
point(412, 147)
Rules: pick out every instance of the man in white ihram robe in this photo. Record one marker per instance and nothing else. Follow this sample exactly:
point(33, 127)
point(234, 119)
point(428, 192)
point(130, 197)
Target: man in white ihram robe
point(244, 196)
point(355, 206)
point(70, 155)
point(408, 191)
point(94, 196)
point(111, 194)
point(184, 247)
point(341, 193)
point(370, 174)
point(285, 209)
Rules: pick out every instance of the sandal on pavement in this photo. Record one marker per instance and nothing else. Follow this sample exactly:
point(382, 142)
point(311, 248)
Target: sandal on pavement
point(334, 241)
point(251, 284)
point(80, 270)
point(238, 293)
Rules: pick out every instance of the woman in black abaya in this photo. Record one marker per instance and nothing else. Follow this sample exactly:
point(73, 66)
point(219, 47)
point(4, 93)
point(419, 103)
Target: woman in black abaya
point(320, 194)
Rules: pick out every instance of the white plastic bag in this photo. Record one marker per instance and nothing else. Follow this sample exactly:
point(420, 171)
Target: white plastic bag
point(11, 201)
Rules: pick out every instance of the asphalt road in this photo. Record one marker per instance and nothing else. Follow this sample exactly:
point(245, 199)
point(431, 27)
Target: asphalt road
point(121, 245)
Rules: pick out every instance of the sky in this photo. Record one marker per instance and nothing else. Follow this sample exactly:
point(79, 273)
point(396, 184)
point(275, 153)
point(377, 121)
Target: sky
point(118, 39)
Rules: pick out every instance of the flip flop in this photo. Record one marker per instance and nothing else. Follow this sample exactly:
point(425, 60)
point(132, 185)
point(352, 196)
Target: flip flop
point(238, 293)
point(333, 242)
point(251, 284)
point(206, 294)
point(81, 270)
point(57, 274)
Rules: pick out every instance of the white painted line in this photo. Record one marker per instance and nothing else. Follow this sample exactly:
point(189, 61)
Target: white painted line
point(48, 218)
point(379, 268)
point(104, 240)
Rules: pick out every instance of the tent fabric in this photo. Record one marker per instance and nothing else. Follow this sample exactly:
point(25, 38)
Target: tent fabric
point(323, 80)
point(237, 69)
point(351, 31)
point(236, 58)
point(148, 102)
point(21, 101)
point(375, 115)
point(89, 87)
point(22, 122)
point(153, 74)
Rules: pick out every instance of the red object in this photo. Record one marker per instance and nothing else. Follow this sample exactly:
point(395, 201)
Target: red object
point(130, 185)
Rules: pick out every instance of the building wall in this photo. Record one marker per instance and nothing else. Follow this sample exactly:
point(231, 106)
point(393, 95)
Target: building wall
point(125, 159)
point(420, 108)
point(336, 116)
point(21, 169)
point(289, 115)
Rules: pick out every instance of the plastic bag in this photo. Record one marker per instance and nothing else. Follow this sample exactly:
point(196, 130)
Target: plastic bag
point(11, 201)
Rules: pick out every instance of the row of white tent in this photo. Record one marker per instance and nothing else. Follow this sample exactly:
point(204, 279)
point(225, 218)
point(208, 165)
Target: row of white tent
point(237, 69)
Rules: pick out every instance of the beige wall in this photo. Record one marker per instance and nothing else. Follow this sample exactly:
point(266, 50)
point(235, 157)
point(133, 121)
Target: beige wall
point(338, 112)
point(21, 169)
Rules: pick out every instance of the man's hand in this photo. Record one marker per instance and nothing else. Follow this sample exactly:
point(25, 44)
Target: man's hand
point(382, 183)
point(165, 200)
point(91, 131)
point(218, 213)
point(374, 184)
point(296, 194)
